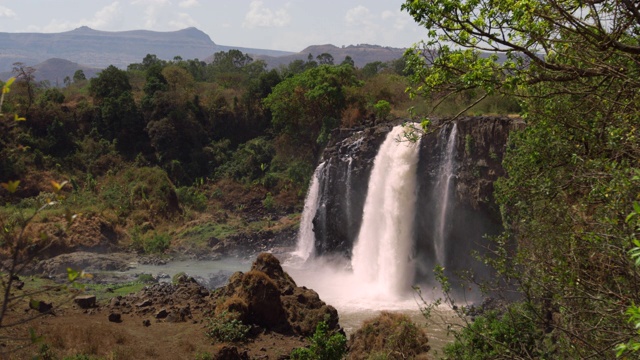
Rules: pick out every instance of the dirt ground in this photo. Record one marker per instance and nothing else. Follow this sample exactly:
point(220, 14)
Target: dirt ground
point(73, 331)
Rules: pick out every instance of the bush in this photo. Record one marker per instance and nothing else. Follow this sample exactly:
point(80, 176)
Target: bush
point(156, 243)
point(325, 345)
point(394, 335)
point(192, 197)
point(495, 335)
point(227, 327)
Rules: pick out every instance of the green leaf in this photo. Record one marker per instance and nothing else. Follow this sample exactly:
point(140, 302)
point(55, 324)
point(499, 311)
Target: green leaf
point(11, 186)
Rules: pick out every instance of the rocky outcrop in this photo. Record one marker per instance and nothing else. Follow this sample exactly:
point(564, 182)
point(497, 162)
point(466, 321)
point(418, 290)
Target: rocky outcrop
point(267, 297)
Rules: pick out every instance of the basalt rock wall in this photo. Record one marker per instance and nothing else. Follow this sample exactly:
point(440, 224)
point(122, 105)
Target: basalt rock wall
point(480, 143)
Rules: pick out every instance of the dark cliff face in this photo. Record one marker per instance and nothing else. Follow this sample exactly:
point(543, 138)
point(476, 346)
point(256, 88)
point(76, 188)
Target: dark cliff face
point(471, 214)
point(343, 190)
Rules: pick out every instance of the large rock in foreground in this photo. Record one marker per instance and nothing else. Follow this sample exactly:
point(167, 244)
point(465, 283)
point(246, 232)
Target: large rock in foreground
point(268, 297)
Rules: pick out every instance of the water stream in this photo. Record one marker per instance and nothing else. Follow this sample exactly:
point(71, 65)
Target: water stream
point(444, 191)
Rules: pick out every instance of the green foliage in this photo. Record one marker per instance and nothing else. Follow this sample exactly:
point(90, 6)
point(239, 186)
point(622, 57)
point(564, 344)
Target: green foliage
point(155, 242)
point(310, 103)
point(382, 109)
point(268, 202)
point(227, 327)
point(325, 345)
point(192, 197)
point(495, 335)
point(468, 145)
point(570, 171)
point(247, 163)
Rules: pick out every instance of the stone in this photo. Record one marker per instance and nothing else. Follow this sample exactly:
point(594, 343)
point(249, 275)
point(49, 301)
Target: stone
point(162, 314)
point(115, 317)
point(144, 303)
point(85, 301)
point(41, 306)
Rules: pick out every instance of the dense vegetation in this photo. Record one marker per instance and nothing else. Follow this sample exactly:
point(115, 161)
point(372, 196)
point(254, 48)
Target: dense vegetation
point(572, 186)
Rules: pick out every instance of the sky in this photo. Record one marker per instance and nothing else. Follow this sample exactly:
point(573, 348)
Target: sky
point(264, 24)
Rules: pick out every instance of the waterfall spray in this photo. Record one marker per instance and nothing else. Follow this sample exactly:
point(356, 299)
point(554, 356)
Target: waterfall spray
point(306, 237)
point(383, 247)
point(444, 189)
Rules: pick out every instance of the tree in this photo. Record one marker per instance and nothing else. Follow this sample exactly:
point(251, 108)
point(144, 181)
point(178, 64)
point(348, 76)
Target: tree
point(307, 106)
point(573, 171)
point(25, 75)
point(325, 59)
point(118, 116)
point(348, 60)
point(110, 83)
point(79, 76)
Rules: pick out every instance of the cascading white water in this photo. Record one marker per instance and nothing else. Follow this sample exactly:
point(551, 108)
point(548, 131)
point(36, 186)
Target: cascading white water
point(383, 247)
point(306, 237)
point(348, 189)
point(444, 191)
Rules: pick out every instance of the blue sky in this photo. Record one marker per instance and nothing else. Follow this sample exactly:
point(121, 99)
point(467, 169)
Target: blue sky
point(268, 24)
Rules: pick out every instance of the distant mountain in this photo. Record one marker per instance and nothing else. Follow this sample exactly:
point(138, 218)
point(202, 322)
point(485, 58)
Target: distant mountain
point(55, 70)
point(99, 49)
point(91, 50)
point(361, 54)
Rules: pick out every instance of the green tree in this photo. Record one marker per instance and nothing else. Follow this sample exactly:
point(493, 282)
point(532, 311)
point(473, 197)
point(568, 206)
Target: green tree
point(574, 66)
point(79, 76)
point(325, 59)
point(307, 106)
point(118, 116)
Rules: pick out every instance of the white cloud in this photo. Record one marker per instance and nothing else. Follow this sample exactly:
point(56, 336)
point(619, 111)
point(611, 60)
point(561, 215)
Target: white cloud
point(400, 20)
point(152, 8)
point(359, 16)
point(261, 16)
point(101, 19)
point(183, 21)
point(189, 3)
point(6, 12)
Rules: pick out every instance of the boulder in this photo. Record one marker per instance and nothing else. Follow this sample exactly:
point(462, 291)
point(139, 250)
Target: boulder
point(115, 317)
point(85, 301)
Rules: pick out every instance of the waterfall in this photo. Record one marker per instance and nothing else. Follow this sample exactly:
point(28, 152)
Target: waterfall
point(348, 189)
point(306, 237)
point(384, 243)
point(444, 191)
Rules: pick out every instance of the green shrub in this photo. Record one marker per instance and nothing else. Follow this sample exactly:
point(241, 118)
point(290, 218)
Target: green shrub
point(146, 278)
point(156, 243)
point(325, 345)
point(268, 202)
point(227, 327)
point(192, 197)
point(494, 335)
